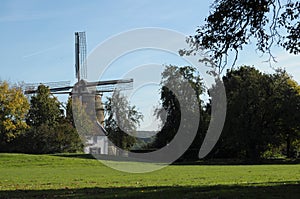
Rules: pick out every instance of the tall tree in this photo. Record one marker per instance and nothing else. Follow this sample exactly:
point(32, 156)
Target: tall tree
point(69, 112)
point(13, 109)
point(122, 121)
point(177, 97)
point(258, 114)
point(232, 24)
point(50, 131)
point(247, 117)
point(44, 109)
point(287, 110)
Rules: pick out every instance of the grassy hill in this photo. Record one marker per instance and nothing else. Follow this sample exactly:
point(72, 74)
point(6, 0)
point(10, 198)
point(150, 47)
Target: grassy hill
point(80, 176)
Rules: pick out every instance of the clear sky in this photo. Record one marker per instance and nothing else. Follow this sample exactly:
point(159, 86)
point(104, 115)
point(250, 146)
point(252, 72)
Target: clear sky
point(37, 36)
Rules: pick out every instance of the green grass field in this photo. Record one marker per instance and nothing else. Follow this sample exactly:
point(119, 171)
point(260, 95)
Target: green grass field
point(78, 176)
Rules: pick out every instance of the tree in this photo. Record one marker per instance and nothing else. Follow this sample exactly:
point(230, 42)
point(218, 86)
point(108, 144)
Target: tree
point(13, 109)
point(69, 112)
point(232, 24)
point(176, 97)
point(45, 139)
point(287, 111)
point(259, 115)
point(246, 125)
point(122, 121)
point(44, 109)
point(50, 131)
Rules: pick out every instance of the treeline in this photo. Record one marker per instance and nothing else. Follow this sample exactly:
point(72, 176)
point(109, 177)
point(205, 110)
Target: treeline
point(262, 119)
point(39, 126)
point(263, 115)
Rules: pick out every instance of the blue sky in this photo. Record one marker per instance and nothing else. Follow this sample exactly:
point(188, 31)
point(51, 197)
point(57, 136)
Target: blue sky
point(37, 36)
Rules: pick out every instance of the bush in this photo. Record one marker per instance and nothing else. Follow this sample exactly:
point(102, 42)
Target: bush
point(46, 139)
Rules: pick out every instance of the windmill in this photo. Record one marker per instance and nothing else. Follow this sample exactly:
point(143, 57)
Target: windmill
point(81, 87)
point(63, 87)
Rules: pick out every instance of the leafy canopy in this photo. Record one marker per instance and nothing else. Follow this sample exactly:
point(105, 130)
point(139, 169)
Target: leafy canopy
point(13, 109)
point(122, 120)
point(44, 109)
point(232, 24)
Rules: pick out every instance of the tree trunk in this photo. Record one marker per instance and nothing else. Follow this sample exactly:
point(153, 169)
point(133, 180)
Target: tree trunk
point(288, 146)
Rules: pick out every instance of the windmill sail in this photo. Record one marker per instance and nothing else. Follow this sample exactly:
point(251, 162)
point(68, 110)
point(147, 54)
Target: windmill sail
point(64, 87)
point(80, 56)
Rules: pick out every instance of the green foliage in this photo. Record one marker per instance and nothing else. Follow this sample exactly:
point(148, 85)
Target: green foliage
point(247, 115)
point(176, 96)
point(232, 24)
point(259, 118)
point(122, 121)
point(69, 112)
point(287, 111)
point(262, 120)
point(44, 109)
point(49, 131)
point(13, 109)
point(51, 139)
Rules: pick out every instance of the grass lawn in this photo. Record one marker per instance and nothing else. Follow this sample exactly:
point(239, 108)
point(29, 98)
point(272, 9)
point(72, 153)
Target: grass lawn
point(67, 176)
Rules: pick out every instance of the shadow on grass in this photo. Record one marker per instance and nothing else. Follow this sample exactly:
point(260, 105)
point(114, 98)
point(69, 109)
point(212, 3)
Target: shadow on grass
point(219, 191)
point(238, 162)
point(75, 155)
point(101, 157)
point(199, 162)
